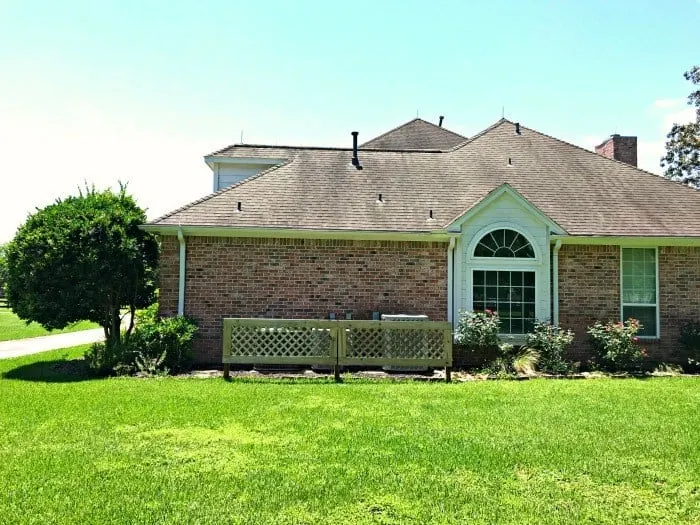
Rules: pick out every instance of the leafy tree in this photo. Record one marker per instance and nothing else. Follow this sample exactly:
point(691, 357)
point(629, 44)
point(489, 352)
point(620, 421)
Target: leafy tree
point(682, 159)
point(82, 258)
point(3, 269)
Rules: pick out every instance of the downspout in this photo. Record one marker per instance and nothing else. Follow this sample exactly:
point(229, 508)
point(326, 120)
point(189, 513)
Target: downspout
point(555, 283)
point(181, 282)
point(450, 280)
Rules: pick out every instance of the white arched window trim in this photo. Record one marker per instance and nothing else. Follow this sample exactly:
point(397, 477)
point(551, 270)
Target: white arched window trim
point(513, 264)
point(500, 261)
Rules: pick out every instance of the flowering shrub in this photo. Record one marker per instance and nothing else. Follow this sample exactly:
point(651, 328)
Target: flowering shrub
point(478, 330)
point(616, 345)
point(551, 342)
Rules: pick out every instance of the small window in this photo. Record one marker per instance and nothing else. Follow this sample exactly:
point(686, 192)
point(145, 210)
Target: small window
point(511, 294)
point(504, 243)
point(639, 299)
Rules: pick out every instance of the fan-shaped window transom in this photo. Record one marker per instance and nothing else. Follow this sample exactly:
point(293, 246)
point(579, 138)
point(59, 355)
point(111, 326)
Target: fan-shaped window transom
point(504, 243)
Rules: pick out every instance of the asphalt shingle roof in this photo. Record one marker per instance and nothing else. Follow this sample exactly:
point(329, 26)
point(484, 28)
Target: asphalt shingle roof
point(415, 135)
point(319, 188)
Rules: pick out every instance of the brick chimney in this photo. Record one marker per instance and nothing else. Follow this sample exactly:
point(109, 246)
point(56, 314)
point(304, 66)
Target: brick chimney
point(619, 148)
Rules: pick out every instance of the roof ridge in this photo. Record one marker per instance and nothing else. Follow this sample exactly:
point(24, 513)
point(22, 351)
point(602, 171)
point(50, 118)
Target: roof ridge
point(220, 192)
point(411, 122)
point(598, 155)
point(330, 148)
point(478, 135)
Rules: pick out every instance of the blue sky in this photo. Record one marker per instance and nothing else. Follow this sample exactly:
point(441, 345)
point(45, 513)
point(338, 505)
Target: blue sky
point(140, 91)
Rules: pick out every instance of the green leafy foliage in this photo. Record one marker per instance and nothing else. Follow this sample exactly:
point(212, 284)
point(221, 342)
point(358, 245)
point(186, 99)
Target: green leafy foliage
point(514, 360)
point(82, 258)
point(551, 342)
point(616, 345)
point(478, 330)
point(682, 159)
point(3, 269)
point(158, 345)
point(689, 352)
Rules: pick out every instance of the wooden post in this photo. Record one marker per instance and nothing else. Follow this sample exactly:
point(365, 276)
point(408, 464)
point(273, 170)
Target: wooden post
point(227, 371)
point(336, 373)
point(448, 374)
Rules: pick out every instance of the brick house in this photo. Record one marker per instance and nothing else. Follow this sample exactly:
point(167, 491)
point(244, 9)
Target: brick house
point(421, 220)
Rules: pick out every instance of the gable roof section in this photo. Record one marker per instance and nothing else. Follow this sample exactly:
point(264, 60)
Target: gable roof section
point(505, 188)
point(582, 192)
point(416, 134)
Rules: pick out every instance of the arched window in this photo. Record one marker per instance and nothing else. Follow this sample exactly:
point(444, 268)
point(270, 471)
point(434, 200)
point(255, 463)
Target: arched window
point(504, 243)
point(507, 282)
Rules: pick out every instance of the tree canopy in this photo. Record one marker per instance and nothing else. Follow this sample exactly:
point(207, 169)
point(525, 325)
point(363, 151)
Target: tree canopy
point(82, 258)
point(682, 159)
point(3, 269)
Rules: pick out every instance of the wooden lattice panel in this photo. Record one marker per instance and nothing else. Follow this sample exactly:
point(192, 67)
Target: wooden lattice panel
point(274, 341)
point(389, 344)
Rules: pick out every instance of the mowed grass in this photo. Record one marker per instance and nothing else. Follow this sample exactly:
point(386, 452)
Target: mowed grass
point(12, 327)
point(126, 450)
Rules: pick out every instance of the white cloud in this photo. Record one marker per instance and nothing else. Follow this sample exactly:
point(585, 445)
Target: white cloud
point(666, 103)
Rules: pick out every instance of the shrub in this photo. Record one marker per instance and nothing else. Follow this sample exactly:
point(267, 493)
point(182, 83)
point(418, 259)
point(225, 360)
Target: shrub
point(478, 330)
point(157, 345)
point(111, 357)
point(689, 352)
point(514, 360)
point(616, 345)
point(172, 336)
point(551, 343)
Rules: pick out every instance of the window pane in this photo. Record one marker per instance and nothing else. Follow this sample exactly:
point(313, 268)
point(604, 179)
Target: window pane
point(505, 292)
point(491, 293)
point(639, 287)
point(646, 315)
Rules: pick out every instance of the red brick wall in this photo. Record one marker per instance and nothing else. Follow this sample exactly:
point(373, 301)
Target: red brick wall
point(589, 290)
point(679, 295)
point(300, 278)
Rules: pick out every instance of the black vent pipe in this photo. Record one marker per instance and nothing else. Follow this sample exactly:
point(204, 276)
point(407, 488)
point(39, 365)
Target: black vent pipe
point(355, 160)
point(441, 119)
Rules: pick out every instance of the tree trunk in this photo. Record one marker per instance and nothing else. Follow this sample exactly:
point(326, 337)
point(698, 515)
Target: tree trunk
point(115, 328)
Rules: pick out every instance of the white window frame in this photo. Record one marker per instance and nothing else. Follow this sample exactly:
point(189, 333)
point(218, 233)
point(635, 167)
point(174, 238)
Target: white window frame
point(519, 268)
point(623, 304)
point(505, 264)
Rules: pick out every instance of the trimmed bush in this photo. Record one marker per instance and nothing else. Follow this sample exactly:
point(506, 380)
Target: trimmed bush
point(158, 345)
point(551, 343)
point(616, 345)
point(478, 331)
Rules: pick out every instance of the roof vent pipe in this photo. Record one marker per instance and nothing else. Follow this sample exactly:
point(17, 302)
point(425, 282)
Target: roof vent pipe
point(517, 128)
point(442, 117)
point(355, 160)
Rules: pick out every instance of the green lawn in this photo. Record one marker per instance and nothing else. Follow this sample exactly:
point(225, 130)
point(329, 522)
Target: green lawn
point(127, 450)
point(12, 327)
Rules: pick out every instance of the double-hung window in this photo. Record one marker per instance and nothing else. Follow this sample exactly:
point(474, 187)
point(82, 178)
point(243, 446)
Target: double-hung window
point(639, 289)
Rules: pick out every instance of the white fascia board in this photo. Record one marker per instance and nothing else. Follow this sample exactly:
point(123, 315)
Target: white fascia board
point(632, 241)
point(288, 233)
point(214, 159)
point(456, 225)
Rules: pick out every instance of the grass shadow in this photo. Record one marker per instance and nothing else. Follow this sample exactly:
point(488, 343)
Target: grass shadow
point(55, 371)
